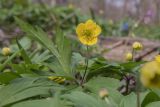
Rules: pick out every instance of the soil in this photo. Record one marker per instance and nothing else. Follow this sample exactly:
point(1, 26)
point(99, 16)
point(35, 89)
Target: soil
point(119, 46)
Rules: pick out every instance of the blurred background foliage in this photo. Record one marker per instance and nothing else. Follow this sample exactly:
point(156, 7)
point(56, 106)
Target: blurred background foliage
point(118, 18)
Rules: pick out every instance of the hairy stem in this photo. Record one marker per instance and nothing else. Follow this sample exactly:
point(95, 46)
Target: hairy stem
point(85, 72)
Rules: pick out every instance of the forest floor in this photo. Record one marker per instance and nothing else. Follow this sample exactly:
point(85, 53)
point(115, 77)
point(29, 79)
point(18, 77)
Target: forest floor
point(118, 46)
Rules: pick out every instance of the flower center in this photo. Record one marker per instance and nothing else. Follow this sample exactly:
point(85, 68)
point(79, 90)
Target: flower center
point(87, 33)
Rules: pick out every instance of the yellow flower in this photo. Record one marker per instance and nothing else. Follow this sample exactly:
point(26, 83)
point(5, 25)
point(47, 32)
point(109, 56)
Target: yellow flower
point(137, 46)
point(88, 32)
point(6, 51)
point(129, 56)
point(103, 93)
point(150, 74)
point(157, 58)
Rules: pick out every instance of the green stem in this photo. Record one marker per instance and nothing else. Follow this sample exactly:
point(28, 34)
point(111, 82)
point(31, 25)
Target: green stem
point(133, 55)
point(138, 99)
point(137, 91)
point(127, 85)
point(107, 101)
point(85, 72)
point(137, 81)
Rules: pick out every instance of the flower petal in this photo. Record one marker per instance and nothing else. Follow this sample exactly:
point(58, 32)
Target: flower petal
point(92, 41)
point(97, 30)
point(88, 40)
point(90, 21)
point(150, 74)
point(91, 25)
point(80, 28)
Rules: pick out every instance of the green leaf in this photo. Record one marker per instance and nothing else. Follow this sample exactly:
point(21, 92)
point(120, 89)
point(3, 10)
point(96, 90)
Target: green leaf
point(62, 54)
point(49, 102)
point(24, 88)
point(105, 69)
point(8, 60)
point(111, 84)
point(35, 103)
point(25, 43)
point(25, 68)
point(129, 101)
point(38, 35)
point(80, 99)
point(24, 54)
point(98, 83)
point(6, 77)
point(64, 49)
point(39, 58)
point(157, 91)
point(129, 66)
point(150, 97)
point(57, 69)
point(154, 104)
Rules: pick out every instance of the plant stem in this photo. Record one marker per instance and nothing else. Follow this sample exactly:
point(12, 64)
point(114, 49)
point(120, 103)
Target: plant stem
point(127, 85)
point(107, 101)
point(138, 99)
point(133, 55)
point(137, 91)
point(85, 72)
point(126, 77)
point(137, 81)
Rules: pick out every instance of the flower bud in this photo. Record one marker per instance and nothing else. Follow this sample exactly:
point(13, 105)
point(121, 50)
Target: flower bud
point(103, 93)
point(6, 51)
point(137, 46)
point(129, 56)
